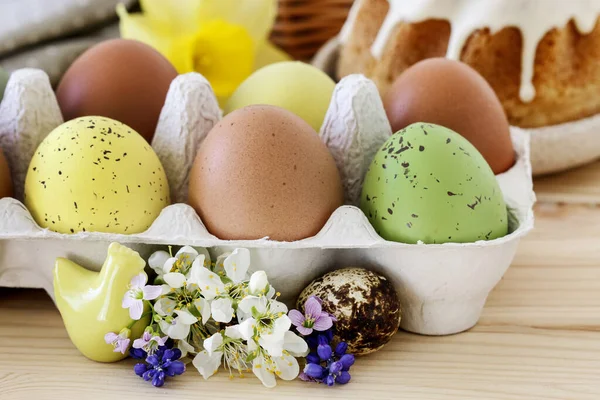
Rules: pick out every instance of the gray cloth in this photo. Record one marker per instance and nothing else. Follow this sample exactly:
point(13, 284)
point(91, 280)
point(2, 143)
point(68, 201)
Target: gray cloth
point(50, 34)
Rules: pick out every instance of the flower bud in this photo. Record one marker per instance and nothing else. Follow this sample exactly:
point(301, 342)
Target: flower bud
point(314, 371)
point(343, 378)
point(335, 367)
point(313, 358)
point(341, 349)
point(324, 352)
point(347, 360)
point(329, 380)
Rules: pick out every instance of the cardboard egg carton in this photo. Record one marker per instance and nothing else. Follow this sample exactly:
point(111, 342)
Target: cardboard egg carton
point(442, 288)
point(554, 148)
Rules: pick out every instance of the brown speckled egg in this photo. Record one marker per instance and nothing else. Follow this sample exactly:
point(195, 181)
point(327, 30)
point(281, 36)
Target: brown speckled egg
point(263, 171)
point(125, 80)
point(365, 304)
point(6, 186)
point(454, 95)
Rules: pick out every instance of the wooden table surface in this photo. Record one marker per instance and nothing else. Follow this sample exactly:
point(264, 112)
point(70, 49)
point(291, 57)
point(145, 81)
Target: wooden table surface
point(538, 338)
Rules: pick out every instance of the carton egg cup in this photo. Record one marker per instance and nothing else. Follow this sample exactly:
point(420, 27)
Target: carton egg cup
point(442, 288)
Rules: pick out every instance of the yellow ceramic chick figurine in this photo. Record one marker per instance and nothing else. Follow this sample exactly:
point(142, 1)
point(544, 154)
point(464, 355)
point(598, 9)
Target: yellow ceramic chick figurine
point(91, 302)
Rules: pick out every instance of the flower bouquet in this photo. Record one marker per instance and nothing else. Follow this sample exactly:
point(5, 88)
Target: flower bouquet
point(215, 313)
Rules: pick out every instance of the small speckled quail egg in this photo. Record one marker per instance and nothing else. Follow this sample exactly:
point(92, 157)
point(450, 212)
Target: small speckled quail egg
point(428, 183)
point(364, 303)
point(95, 174)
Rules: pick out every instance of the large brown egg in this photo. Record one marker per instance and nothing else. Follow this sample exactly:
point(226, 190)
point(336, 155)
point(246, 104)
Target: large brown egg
point(454, 95)
point(125, 80)
point(6, 186)
point(263, 171)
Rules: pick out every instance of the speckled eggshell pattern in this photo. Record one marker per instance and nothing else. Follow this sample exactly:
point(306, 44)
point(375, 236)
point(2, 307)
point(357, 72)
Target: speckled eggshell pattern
point(428, 183)
point(365, 304)
point(6, 185)
point(262, 171)
point(95, 174)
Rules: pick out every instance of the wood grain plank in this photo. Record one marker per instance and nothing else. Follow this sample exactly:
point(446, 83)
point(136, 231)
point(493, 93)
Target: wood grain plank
point(577, 186)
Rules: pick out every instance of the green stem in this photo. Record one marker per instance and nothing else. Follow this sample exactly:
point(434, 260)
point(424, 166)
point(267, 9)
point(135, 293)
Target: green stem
point(136, 320)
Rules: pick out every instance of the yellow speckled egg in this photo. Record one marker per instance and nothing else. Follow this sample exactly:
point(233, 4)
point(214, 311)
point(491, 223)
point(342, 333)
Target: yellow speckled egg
point(296, 86)
point(95, 174)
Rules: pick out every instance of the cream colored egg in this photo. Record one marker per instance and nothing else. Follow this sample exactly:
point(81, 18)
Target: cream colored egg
point(298, 87)
point(95, 174)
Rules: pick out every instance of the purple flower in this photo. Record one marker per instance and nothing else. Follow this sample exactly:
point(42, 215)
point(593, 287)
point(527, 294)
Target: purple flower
point(324, 352)
point(326, 365)
point(343, 378)
point(335, 367)
point(160, 365)
point(329, 380)
point(313, 339)
point(120, 341)
point(138, 354)
point(315, 371)
point(340, 349)
point(347, 361)
point(314, 317)
point(302, 375)
point(313, 358)
point(137, 293)
point(149, 343)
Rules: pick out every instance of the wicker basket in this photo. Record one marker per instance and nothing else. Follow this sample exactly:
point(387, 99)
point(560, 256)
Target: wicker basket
point(303, 26)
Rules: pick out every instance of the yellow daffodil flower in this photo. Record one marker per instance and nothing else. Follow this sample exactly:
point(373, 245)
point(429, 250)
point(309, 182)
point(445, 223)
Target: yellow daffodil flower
point(224, 40)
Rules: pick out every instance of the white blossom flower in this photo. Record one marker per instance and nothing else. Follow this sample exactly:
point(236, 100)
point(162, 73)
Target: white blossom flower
point(137, 293)
point(208, 282)
point(295, 345)
point(181, 261)
point(222, 310)
point(165, 306)
point(185, 347)
point(267, 367)
point(175, 280)
point(157, 261)
point(268, 308)
point(207, 362)
point(178, 327)
point(227, 346)
point(258, 284)
point(204, 308)
point(269, 323)
point(236, 265)
point(273, 340)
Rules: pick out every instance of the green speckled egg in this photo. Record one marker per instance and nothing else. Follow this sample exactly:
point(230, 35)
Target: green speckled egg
point(95, 174)
point(427, 183)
